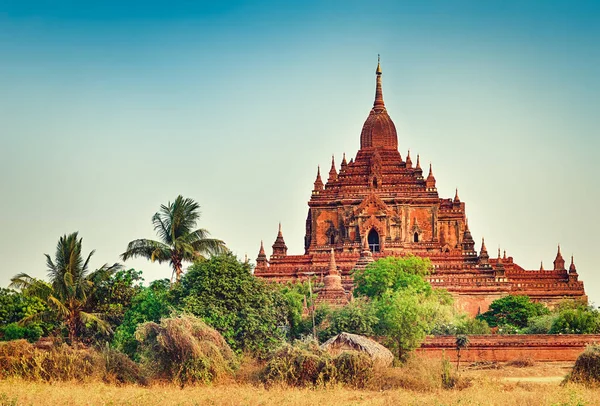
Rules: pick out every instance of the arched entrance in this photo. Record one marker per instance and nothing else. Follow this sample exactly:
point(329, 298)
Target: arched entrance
point(373, 240)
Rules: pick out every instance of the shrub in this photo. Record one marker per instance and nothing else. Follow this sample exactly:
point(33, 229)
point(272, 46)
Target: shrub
point(14, 331)
point(64, 363)
point(354, 368)
point(587, 367)
point(304, 364)
point(579, 320)
point(540, 324)
point(251, 314)
point(299, 365)
point(512, 310)
point(184, 350)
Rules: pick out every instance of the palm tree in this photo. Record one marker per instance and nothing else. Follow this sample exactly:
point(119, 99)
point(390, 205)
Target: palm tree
point(462, 341)
point(71, 286)
point(174, 224)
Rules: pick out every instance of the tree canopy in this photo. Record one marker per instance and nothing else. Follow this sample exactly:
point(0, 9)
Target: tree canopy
point(70, 288)
point(513, 310)
point(175, 225)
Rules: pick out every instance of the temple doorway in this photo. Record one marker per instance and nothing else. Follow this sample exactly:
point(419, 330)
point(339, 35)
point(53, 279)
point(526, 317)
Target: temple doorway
point(373, 239)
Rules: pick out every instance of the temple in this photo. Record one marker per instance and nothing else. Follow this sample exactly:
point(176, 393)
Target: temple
point(379, 204)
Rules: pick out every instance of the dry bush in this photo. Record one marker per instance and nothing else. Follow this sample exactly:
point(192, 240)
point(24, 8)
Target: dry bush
point(419, 374)
point(185, 350)
point(354, 368)
point(64, 363)
point(525, 362)
point(307, 365)
point(587, 367)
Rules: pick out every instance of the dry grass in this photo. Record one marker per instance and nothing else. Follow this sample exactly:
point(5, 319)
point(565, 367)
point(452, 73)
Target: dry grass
point(485, 392)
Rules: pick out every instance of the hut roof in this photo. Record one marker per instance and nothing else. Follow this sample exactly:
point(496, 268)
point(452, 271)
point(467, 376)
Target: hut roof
point(376, 351)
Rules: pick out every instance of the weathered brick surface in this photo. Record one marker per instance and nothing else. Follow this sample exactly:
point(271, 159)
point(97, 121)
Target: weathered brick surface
point(503, 348)
point(380, 197)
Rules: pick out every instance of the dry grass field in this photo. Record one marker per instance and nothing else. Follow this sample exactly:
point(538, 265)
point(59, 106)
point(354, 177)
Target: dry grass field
point(534, 385)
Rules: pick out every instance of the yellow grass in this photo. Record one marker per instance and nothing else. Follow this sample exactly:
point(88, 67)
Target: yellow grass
point(485, 391)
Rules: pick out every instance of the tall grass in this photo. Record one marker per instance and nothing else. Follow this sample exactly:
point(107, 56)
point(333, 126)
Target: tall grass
point(64, 363)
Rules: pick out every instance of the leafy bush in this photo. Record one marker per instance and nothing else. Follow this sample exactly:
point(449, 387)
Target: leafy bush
point(184, 350)
point(150, 304)
point(462, 325)
point(251, 314)
point(587, 367)
point(512, 310)
point(357, 317)
point(13, 331)
point(578, 320)
point(540, 324)
point(392, 273)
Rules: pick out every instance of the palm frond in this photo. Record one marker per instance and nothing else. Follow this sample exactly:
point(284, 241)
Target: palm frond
point(149, 249)
point(162, 228)
point(57, 305)
point(91, 318)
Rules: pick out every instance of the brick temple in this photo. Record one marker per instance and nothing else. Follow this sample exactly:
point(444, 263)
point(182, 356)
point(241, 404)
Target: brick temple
point(379, 204)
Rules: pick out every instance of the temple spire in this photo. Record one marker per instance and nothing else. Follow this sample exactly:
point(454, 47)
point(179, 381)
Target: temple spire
point(408, 160)
point(261, 261)
point(418, 162)
point(344, 163)
point(332, 264)
point(279, 247)
point(456, 198)
point(572, 268)
point(378, 90)
point(559, 262)
point(332, 171)
point(430, 181)
point(541, 265)
point(318, 181)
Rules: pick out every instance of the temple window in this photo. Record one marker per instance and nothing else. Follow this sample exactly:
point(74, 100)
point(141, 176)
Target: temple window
point(416, 237)
point(373, 240)
point(332, 239)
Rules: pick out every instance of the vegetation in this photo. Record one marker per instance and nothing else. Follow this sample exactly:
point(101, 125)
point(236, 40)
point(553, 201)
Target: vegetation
point(184, 350)
point(150, 304)
point(587, 367)
point(174, 224)
point(251, 314)
point(513, 312)
point(70, 289)
point(304, 364)
point(66, 363)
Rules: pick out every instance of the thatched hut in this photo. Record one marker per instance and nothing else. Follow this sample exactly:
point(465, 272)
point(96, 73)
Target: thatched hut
point(354, 342)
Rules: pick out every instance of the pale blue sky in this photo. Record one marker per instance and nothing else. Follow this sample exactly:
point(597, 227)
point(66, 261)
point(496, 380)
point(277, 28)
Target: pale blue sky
point(108, 111)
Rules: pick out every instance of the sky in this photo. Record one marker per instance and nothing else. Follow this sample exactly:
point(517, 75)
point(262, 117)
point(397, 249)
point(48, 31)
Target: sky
point(110, 109)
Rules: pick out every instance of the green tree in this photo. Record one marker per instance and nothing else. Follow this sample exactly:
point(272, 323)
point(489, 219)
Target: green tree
point(576, 319)
point(70, 288)
point(513, 310)
point(406, 316)
point(405, 305)
point(392, 273)
point(149, 304)
point(174, 224)
point(251, 314)
point(16, 306)
point(358, 317)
